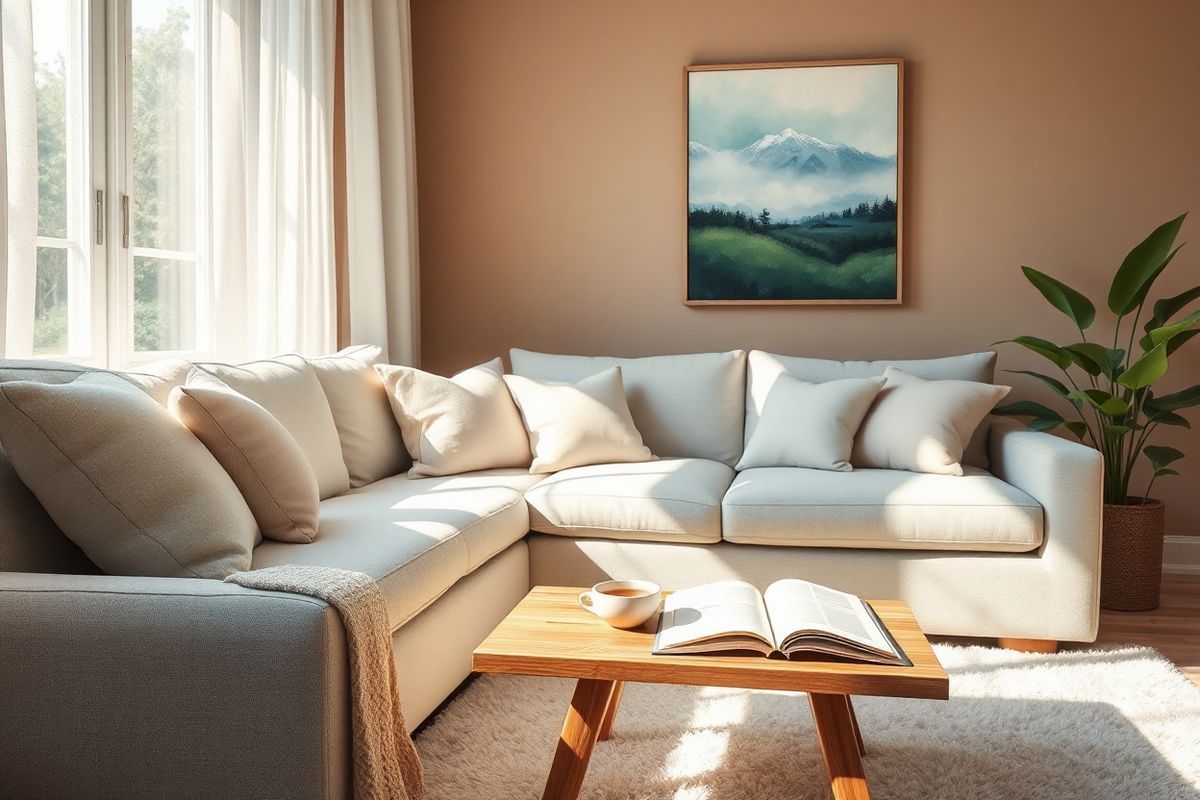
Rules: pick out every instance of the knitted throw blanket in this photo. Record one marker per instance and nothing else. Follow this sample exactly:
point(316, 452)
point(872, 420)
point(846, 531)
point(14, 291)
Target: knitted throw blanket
point(386, 766)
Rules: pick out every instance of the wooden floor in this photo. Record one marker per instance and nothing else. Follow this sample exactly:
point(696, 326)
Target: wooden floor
point(1173, 628)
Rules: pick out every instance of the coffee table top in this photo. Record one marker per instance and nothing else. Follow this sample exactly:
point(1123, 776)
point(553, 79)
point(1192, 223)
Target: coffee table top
point(548, 634)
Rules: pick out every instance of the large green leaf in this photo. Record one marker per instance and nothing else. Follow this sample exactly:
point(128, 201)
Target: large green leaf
point(1161, 456)
point(1102, 401)
point(1146, 370)
point(1179, 340)
point(1168, 418)
point(1170, 306)
point(1072, 303)
point(1027, 408)
point(1080, 429)
point(1168, 332)
point(1143, 264)
point(1096, 359)
point(1061, 358)
point(1173, 402)
point(1055, 384)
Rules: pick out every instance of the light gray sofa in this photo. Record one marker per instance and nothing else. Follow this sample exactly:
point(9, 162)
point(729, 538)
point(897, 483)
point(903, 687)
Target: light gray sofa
point(127, 687)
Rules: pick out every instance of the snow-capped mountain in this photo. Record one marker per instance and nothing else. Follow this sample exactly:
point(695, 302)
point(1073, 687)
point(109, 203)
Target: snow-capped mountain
point(808, 155)
point(698, 151)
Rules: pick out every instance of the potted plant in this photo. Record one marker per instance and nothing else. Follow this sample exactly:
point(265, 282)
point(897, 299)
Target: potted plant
point(1110, 388)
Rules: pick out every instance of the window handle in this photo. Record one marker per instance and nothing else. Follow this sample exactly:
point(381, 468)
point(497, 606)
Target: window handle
point(125, 221)
point(99, 216)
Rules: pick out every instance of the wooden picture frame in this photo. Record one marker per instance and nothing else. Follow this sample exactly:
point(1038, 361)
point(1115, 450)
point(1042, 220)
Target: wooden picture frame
point(734, 256)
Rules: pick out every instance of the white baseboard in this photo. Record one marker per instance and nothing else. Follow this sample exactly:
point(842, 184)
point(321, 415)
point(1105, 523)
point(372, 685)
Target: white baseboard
point(1181, 555)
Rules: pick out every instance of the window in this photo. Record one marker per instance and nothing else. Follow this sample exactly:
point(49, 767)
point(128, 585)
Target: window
point(121, 118)
point(165, 175)
point(53, 284)
point(109, 267)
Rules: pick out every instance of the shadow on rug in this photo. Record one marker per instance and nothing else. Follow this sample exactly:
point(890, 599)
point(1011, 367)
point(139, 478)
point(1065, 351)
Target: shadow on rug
point(1091, 725)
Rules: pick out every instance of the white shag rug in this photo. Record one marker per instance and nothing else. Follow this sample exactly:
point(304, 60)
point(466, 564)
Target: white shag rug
point(1091, 725)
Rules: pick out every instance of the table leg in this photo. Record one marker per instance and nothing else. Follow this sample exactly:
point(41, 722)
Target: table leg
point(610, 714)
point(579, 732)
point(839, 746)
point(862, 748)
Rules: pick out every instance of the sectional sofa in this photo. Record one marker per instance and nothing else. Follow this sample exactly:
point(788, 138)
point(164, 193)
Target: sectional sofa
point(121, 686)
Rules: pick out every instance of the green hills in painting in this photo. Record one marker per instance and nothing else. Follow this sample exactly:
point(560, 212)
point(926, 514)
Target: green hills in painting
point(849, 255)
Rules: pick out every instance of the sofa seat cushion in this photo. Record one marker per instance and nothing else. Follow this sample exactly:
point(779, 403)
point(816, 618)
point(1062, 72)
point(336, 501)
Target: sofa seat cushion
point(415, 537)
point(882, 509)
point(668, 500)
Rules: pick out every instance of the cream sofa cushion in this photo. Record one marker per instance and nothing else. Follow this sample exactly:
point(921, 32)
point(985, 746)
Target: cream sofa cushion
point(575, 424)
point(689, 406)
point(668, 500)
point(921, 425)
point(881, 509)
point(259, 454)
point(288, 387)
point(459, 424)
point(764, 367)
point(124, 480)
point(809, 424)
point(372, 445)
point(416, 538)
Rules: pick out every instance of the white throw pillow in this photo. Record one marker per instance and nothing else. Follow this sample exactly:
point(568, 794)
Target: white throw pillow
point(685, 406)
point(124, 480)
point(762, 368)
point(809, 424)
point(372, 446)
point(288, 387)
point(572, 425)
point(459, 424)
point(923, 426)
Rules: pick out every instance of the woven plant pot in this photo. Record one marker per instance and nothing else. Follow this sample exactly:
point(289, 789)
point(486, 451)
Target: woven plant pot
point(1131, 564)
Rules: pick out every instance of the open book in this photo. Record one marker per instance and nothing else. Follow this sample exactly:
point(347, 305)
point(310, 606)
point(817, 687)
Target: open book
point(793, 618)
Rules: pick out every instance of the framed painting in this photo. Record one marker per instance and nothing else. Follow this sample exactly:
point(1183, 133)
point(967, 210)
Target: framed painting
point(795, 183)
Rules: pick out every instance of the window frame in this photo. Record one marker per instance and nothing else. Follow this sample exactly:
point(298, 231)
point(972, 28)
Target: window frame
point(101, 307)
point(87, 257)
point(121, 344)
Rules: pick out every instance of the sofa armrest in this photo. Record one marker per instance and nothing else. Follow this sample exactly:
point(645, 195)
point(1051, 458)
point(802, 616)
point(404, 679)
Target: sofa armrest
point(1067, 480)
point(153, 687)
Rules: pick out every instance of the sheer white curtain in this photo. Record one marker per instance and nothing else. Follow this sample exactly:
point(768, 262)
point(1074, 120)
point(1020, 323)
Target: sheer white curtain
point(381, 178)
point(272, 156)
point(266, 268)
point(18, 176)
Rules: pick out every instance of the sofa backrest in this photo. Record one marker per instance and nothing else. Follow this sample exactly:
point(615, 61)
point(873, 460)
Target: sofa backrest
point(685, 406)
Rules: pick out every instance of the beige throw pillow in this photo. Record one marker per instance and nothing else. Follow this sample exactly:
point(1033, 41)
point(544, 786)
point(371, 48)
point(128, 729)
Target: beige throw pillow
point(574, 424)
point(459, 424)
point(923, 426)
point(124, 480)
point(259, 454)
point(372, 446)
point(288, 387)
point(809, 424)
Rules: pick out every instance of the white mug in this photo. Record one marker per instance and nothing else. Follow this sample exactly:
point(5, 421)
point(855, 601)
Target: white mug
point(622, 604)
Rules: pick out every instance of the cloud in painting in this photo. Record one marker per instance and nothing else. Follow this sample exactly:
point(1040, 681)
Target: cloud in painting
point(797, 141)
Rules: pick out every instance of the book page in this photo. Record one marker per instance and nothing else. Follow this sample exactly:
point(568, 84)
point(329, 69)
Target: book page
point(721, 615)
point(798, 607)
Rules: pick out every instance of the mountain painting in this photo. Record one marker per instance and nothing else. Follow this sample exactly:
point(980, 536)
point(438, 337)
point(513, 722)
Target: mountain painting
point(793, 183)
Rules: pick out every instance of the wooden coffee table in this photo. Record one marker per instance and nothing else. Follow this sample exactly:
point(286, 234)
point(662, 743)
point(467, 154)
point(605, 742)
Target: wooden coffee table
point(548, 634)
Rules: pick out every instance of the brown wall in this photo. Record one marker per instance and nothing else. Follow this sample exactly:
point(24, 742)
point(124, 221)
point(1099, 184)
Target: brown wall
point(550, 136)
